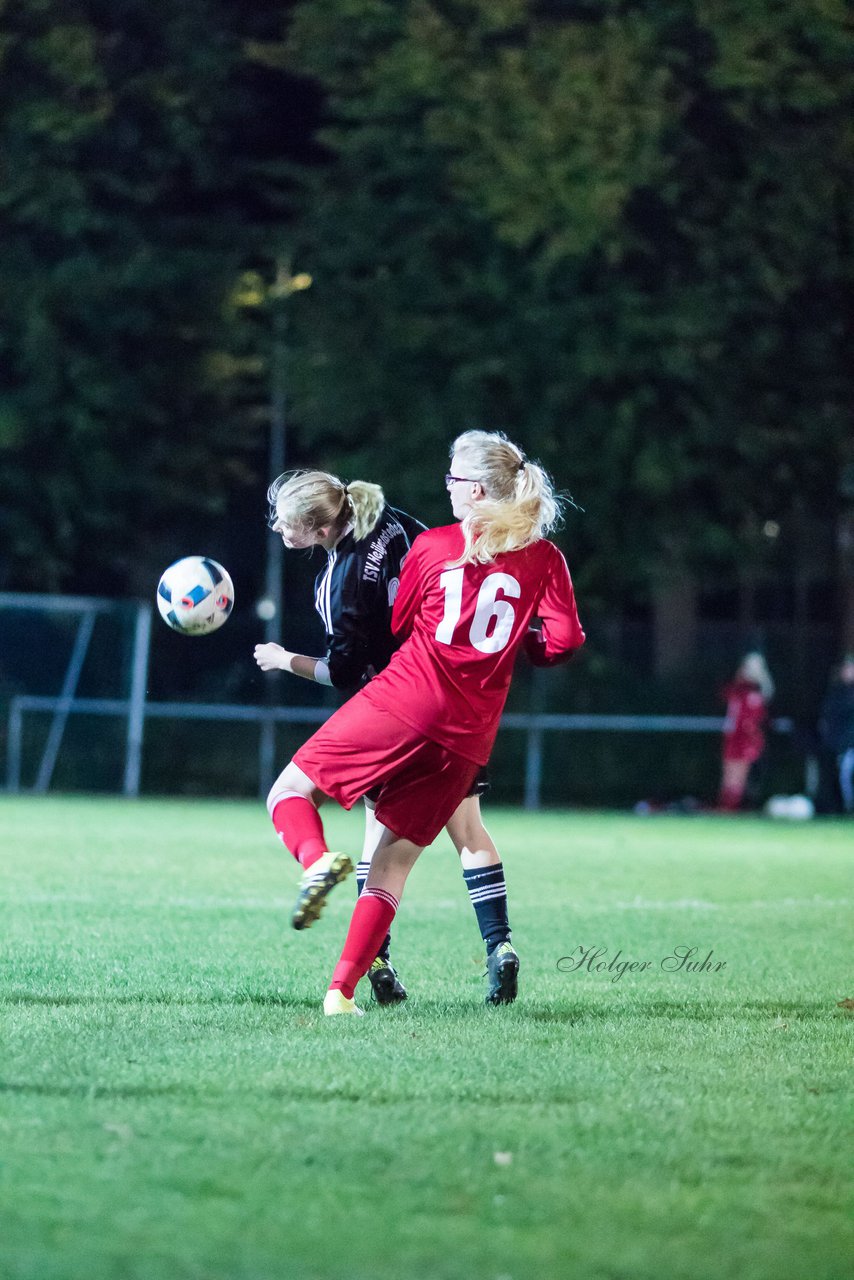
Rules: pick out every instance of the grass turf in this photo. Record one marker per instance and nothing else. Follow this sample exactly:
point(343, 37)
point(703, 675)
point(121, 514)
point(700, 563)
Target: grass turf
point(173, 1104)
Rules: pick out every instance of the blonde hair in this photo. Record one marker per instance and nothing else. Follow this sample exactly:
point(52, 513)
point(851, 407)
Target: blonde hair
point(755, 669)
point(307, 501)
point(520, 505)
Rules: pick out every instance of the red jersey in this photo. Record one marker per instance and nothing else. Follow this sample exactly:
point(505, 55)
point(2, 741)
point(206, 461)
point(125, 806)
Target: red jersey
point(462, 629)
point(746, 713)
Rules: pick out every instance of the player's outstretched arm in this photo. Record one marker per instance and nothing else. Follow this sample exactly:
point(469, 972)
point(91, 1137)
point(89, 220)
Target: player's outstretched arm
point(272, 657)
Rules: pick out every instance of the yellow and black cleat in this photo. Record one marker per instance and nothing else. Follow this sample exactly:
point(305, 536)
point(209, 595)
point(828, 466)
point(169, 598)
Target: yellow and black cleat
point(316, 885)
point(387, 986)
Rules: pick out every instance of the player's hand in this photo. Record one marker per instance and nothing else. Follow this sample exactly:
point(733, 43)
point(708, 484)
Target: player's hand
point(272, 657)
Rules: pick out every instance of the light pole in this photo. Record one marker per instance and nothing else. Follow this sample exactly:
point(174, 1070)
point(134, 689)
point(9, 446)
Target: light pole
point(278, 294)
point(270, 607)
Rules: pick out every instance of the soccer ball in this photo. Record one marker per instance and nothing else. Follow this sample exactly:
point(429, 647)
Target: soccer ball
point(790, 808)
point(195, 596)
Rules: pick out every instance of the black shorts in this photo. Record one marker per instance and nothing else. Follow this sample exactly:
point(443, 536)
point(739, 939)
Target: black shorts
point(481, 784)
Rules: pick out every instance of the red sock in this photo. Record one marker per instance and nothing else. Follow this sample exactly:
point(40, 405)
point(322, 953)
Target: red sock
point(300, 830)
point(369, 924)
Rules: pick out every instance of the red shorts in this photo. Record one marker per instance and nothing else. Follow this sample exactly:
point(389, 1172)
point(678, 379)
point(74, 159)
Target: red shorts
point(417, 783)
point(744, 750)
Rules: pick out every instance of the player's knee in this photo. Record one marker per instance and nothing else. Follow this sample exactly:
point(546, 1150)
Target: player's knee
point(291, 784)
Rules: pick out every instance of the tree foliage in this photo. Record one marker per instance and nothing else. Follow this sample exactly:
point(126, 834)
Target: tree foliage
point(621, 231)
point(123, 231)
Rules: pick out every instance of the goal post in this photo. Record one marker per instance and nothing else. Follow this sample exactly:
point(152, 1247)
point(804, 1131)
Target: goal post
point(45, 641)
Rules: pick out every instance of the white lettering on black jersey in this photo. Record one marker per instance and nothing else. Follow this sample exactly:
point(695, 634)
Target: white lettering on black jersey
point(354, 595)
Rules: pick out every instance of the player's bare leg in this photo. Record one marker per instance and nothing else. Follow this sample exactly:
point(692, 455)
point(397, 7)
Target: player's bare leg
point(374, 911)
point(293, 805)
point(733, 784)
point(483, 873)
point(391, 864)
point(471, 839)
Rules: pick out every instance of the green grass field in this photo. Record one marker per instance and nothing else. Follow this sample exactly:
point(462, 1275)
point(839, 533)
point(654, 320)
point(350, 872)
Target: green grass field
point(173, 1104)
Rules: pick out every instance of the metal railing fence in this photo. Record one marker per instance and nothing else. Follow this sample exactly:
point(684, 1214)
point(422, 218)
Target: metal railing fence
point(534, 725)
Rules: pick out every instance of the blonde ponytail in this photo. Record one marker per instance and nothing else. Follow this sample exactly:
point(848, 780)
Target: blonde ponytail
point(310, 500)
point(520, 505)
point(366, 503)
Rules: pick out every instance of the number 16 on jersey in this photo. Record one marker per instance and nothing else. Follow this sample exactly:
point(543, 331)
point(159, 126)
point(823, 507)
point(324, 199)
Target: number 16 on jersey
point(492, 624)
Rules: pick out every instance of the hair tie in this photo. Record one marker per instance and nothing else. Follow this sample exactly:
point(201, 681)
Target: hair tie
point(346, 491)
point(522, 465)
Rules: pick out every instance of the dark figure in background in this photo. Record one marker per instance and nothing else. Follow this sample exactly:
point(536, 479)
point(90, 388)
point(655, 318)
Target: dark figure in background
point(836, 729)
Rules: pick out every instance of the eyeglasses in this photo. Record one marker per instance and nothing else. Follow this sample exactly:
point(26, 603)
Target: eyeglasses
point(449, 480)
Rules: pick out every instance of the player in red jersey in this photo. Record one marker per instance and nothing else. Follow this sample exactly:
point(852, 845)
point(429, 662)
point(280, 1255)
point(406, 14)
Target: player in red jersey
point(419, 732)
point(366, 542)
point(747, 697)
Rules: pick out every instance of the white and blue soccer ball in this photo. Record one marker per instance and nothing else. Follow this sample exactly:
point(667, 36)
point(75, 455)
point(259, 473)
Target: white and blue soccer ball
point(195, 595)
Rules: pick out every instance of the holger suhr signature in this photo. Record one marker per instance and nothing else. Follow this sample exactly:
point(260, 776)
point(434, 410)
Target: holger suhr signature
point(679, 960)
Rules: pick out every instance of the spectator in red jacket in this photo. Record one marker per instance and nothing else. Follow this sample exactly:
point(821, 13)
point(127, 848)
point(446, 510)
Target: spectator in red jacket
point(747, 697)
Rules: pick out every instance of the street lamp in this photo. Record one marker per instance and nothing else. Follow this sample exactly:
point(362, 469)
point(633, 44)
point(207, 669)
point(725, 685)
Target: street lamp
point(253, 292)
point(278, 294)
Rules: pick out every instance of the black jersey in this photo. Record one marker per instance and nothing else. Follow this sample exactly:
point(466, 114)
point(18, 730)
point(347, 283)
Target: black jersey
point(354, 595)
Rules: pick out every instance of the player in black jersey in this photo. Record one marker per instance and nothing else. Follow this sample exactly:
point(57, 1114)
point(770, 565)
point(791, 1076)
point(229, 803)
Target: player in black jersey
point(366, 542)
